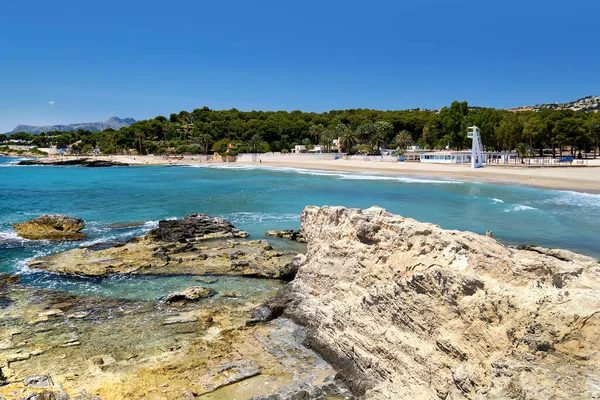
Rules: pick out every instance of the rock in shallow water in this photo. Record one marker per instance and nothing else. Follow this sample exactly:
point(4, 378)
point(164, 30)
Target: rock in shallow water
point(177, 246)
point(193, 293)
point(51, 227)
point(193, 227)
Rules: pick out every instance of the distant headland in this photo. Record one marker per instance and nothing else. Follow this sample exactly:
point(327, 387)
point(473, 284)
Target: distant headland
point(112, 122)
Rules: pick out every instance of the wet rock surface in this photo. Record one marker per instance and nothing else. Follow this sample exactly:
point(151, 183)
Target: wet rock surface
point(252, 258)
point(194, 227)
point(197, 244)
point(288, 234)
point(408, 310)
point(51, 227)
point(147, 350)
point(193, 293)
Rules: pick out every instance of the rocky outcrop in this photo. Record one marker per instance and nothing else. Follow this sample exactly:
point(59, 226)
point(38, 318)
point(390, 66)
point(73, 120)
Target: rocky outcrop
point(83, 162)
point(193, 293)
point(56, 345)
point(51, 227)
point(193, 227)
point(408, 310)
point(289, 234)
point(176, 248)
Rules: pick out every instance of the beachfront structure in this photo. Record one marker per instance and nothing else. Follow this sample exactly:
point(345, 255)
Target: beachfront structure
point(446, 157)
point(477, 156)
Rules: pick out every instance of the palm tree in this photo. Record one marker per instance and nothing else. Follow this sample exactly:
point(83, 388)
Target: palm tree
point(254, 145)
point(139, 134)
point(348, 140)
point(327, 138)
point(308, 144)
point(523, 150)
point(204, 140)
point(316, 131)
point(403, 140)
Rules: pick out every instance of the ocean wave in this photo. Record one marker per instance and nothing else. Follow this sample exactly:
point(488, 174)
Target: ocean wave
point(495, 200)
point(10, 236)
point(520, 207)
point(575, 199)
point(334, 174)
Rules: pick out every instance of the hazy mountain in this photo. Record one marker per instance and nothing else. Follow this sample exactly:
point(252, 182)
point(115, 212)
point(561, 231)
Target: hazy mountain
point(588, 103)
point(113, 122)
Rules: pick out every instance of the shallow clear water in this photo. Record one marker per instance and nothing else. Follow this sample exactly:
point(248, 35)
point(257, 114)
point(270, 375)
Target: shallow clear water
point(257, 199)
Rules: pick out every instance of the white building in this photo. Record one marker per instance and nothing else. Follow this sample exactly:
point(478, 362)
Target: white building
point(446, 157)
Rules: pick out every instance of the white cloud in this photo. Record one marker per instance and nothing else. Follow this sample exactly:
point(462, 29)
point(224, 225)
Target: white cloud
point(51, 102)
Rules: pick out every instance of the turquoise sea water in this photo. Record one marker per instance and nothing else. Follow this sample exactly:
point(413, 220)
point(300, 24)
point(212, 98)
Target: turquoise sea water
point(257, 199)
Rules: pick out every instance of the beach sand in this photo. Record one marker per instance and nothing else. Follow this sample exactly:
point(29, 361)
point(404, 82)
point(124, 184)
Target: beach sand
point(580, 178)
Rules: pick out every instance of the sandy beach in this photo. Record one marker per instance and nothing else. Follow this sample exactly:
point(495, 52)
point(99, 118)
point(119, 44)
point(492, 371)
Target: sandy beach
point(580, 178)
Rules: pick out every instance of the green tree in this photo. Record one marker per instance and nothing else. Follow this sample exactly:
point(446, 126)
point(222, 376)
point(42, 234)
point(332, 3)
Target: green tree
point(523, 150)
point(403, 140)
point(139, 135)
point(348, 140)
point(510, 130)
point(594, 130)
point(454, 120)
point(3, 138)
point(433, 132)
point(254, 145)
point(327, 138)
point(384, 130)
point(316, 131)
point(308, 144)
point(205, 140)
point(24, 136)
point(532, 131)
point(364, 132)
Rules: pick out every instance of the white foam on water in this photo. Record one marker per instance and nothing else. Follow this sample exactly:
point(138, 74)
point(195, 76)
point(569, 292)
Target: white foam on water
point(248, 218)
point(333, 174)
point(576, 199)
point(520, 207)
point(495, 200)
point(11, 235)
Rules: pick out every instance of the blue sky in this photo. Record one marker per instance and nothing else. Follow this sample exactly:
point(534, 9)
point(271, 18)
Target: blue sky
point(142, 59)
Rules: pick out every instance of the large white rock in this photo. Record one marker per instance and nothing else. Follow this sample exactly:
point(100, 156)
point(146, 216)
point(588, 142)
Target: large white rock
point(407, 310)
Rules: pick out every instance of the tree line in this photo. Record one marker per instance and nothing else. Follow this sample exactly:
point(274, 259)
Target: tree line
point(361, 131)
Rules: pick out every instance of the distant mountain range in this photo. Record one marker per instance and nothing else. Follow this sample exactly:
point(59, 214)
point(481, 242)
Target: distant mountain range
point(589, 103)
point(113, 122)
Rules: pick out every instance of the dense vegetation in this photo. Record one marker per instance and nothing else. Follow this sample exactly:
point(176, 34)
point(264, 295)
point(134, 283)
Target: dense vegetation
point(360, 131)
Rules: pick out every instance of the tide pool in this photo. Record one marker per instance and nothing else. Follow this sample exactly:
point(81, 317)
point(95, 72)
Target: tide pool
point(258, 199)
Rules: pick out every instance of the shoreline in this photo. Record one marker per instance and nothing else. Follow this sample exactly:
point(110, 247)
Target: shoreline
point(528, 177)
point(583, 179)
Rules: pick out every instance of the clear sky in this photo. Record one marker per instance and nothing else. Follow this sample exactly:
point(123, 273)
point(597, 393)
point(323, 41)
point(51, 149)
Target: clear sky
point(80, 61)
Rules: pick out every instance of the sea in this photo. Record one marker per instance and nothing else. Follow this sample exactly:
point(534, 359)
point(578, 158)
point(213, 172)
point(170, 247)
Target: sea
point(257, 199)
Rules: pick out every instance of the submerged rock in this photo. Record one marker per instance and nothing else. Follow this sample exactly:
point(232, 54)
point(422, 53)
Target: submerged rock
point(403, 308)
point(51, 227)
point(209, 280)
point(233, 295)
point(190, 294)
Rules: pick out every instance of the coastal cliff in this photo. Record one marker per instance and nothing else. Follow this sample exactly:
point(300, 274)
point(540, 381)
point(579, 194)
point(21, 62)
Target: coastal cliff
point(408, 310)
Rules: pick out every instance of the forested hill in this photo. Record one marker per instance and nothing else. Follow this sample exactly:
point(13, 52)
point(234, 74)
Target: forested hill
point(113, 122)
point(363, 131)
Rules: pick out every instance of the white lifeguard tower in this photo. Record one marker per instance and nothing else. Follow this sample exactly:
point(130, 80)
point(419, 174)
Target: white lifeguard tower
point(477, 156)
